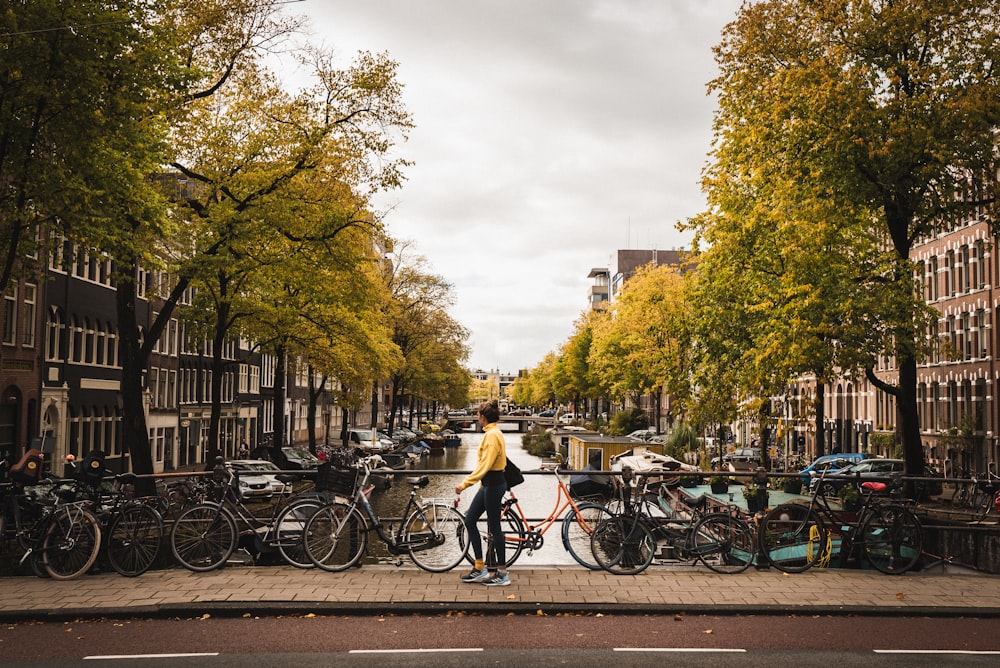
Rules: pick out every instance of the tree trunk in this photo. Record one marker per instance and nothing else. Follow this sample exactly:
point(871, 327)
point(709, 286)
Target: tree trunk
point(909, 421)
point(820, 416)
point(218, 371)
point(135, 435)
point(278, 441)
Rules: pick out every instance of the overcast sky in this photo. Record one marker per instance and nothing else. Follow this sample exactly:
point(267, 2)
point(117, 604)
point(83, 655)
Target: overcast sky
point(549, 134)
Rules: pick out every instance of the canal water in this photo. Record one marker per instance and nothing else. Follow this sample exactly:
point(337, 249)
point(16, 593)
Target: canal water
point(538, 495)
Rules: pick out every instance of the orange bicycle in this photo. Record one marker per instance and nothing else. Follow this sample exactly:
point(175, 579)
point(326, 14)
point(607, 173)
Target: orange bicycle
point(578, 521)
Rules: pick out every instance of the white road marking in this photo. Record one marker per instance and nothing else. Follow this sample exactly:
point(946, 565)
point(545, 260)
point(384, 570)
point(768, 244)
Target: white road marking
point(675, 649)
point(104, 657)
point(415, 651)
point(933, 651)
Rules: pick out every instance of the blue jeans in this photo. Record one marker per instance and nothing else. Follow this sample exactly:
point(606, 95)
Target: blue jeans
point(487, 500)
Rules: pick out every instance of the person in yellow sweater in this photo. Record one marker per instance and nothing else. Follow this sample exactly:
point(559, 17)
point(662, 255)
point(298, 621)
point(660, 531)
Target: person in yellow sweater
point(490, 464)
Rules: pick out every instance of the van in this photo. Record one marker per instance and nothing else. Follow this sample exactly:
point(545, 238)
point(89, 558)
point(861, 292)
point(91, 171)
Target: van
point(831, 463)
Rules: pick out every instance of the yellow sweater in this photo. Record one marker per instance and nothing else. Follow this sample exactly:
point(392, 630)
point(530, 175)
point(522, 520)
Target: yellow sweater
point(492, 455)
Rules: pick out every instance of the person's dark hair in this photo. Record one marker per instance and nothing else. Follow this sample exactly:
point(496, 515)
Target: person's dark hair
point(490, 410)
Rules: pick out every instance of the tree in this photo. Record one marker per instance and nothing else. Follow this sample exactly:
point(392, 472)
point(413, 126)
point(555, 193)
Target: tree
point(885, 111)
point(648, 336)
point(76, 140)
point(278, 211)
point(431, 342)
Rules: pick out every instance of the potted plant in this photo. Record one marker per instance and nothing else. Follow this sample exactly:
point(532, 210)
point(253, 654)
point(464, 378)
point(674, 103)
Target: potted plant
point(756, 498)
point(719, 484)
point(850, 498)
point(791, 485)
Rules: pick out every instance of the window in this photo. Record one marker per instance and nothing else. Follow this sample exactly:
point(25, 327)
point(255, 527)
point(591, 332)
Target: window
point(932, 279)
point(54, 328)
point(89, 342)
point(28, 330)
point(75, 340)
point(10, 315)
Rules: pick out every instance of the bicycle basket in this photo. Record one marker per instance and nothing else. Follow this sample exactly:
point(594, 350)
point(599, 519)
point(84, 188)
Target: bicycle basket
point(339, 481)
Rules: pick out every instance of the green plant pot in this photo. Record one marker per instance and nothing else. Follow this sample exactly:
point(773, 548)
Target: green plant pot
point(756, 503)
point(792, 486)
point(719, 487)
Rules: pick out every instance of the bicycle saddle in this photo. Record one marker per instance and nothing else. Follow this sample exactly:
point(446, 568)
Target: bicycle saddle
point(698, 502)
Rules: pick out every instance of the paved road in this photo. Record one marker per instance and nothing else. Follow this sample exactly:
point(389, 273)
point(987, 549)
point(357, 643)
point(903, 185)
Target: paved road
point(377, 589)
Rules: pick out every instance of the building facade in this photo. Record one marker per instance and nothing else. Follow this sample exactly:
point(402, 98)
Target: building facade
point(60, 374)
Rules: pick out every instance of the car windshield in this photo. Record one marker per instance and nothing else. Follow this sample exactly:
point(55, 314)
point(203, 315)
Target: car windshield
point(256, 466)
point(298, 455)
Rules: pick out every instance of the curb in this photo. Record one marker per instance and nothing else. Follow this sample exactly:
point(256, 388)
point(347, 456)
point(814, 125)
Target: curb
point(233, 609)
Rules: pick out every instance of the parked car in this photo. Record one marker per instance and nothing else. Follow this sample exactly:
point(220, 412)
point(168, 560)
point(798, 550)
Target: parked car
point(299, 459)
point(831, 463)
point(741, 459)
point(643, 435)
point(289, 458)
point(566, 418)
point(252, 486)
point(263, 469)
point(548, 412)
point(370, 440)
point(875, 469)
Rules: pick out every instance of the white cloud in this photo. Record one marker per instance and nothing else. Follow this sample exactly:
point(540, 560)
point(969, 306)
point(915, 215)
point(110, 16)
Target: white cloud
point(549, 134)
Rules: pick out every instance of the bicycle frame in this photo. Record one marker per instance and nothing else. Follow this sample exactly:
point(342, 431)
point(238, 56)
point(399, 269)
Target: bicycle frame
point(395, 541)
point(854, 532)
point(533, 533)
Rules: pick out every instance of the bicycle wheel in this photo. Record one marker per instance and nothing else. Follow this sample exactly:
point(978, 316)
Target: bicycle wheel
point(793, 538)
point(435, 534)
point(203, 537)
point(622, 545)
point(961, 497)
point(723, 543)
point(515, 536)
point(335, 537)
point(71, 542)
point(289, 529)
point(892, 538)
point(134, 538)
point(576, 530)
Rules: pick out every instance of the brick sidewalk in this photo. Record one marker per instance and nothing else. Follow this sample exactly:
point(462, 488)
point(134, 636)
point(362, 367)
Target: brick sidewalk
point(386, 589)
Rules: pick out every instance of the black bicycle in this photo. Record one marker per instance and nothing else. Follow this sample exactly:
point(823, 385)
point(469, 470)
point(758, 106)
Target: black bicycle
point(432, 532)
point(795, 537)
point(681, 529)
point(204, 536)
point(59, 536)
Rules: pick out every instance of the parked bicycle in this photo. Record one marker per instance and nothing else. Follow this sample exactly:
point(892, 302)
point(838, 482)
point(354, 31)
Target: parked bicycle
point(987, 495)
point(795, 537)
point(578, 519)
point(58, 535)
point(431, 531)
point(964, 490)
point(680, 529)
point(204, 536)
point(131, 527)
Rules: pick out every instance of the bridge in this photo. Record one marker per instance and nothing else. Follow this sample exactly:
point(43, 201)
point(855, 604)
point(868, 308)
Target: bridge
point(523, 422)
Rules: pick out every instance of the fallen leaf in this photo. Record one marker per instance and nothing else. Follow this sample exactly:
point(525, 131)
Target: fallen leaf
point(900, 595)
point(511, 597)
point(205, 616)
point(540, 613)
point(709, 631)
point(678, 618)
point(310, 615)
